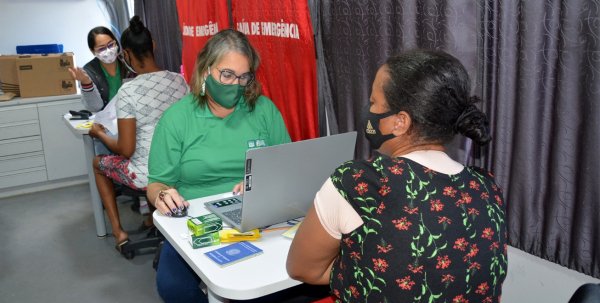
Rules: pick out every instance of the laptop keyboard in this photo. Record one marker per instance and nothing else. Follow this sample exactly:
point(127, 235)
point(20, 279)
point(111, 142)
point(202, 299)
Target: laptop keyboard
point(235, 215)
point(226, 202)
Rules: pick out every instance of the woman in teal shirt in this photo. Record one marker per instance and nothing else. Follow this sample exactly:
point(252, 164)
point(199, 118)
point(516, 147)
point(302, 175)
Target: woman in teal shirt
point(101, 78)
point(199, 144)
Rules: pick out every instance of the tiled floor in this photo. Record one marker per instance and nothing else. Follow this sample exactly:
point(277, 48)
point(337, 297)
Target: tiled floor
point(50, 252)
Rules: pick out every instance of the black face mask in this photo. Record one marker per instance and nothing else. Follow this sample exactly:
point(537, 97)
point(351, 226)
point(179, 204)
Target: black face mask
point(370, 123)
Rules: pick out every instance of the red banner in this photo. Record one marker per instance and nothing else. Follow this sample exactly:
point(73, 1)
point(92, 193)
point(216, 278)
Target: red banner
point(198, 21)
point(281, 31)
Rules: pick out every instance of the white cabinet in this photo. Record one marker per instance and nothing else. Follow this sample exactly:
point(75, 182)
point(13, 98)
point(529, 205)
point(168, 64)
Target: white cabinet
point(20, 146)
point(63, 149)
point(36, 145)
point(19, 122)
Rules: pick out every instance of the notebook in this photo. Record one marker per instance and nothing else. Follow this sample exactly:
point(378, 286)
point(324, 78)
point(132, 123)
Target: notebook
point(227, 255)
point(281, 181)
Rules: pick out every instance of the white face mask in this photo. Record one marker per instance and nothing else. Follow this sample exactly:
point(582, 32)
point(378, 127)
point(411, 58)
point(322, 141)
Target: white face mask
point(109, 55)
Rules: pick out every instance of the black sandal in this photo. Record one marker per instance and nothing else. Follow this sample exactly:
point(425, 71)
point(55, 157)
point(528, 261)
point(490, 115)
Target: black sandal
point(119, 246)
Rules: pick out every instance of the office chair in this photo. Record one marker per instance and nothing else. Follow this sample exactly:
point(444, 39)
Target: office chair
point(134, 195)
point(328, 299)
point(586, 293)
point(153, 237)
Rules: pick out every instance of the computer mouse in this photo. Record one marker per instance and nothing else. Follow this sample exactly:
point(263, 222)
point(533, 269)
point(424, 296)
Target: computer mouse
point(180, 213)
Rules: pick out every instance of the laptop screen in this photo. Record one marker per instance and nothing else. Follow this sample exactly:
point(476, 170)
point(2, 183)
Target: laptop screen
point(280, 181)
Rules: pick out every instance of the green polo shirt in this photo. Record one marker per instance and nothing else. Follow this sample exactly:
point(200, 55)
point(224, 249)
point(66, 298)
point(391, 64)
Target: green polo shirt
point(202, 155)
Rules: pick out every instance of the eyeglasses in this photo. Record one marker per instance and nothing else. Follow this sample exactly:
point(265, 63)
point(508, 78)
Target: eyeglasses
point(110, 45)
point(228, 77)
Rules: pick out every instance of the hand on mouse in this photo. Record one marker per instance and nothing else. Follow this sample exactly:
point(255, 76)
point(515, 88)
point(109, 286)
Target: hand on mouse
point(169, 202)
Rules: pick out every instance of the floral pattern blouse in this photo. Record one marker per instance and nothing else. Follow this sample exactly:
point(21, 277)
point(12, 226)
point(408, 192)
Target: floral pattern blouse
point(426, 237)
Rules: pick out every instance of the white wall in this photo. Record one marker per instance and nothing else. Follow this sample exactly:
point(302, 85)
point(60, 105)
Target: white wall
point(532, 279)
point(67, 22)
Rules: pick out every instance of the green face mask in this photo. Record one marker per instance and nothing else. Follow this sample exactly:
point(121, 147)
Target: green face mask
point(226, 95)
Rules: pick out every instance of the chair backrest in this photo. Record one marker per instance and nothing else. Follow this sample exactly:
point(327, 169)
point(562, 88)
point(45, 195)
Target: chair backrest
point(586, 293)
point(128, 191)
point(135, 196)
point(329, 299)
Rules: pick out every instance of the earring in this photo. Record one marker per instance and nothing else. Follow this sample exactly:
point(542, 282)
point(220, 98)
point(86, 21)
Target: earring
point(203, 89)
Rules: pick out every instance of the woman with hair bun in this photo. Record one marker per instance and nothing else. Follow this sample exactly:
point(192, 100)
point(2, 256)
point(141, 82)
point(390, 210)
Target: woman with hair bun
point(139, 105)
point(410, 224)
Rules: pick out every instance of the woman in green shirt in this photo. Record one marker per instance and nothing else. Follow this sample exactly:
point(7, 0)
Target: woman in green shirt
point(101, 78)
point(199, 144)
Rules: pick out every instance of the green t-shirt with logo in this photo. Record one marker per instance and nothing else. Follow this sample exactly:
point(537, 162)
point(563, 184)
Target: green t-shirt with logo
point(201, 154)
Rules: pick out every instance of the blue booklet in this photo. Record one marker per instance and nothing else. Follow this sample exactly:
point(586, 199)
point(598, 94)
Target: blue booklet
point(233, 253)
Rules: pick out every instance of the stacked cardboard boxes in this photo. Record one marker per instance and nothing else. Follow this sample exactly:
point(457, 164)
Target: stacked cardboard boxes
point(9, 80)
point(204, 230)
point(37, 75)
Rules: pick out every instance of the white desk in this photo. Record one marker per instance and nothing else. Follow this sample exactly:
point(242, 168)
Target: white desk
point(249, 279)
point(88, 143)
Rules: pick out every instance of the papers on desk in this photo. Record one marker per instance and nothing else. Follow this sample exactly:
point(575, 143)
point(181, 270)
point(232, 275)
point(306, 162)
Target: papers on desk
point(233, 253)
point(84, 125)
point(290, 233)
point(108, 117)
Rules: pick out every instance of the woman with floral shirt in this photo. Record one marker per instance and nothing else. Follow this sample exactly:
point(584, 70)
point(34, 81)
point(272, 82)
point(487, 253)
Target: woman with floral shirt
point(410, 224)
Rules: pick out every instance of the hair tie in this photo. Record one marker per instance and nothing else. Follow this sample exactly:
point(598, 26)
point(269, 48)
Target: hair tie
point(469, 111)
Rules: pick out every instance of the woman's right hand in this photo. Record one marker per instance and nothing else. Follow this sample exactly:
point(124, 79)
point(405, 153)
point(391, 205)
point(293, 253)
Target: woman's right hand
point(96, 129)
point(80, 75)
point(169, 201)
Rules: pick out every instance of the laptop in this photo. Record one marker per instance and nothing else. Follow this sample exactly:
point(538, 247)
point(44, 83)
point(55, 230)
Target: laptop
point(280, 182)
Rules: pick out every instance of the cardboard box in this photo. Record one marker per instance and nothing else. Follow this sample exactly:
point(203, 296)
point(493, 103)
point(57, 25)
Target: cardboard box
point(204, 230)
point(9, 80)
point(204, 225)
point(204, 240)
point(45, 75)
